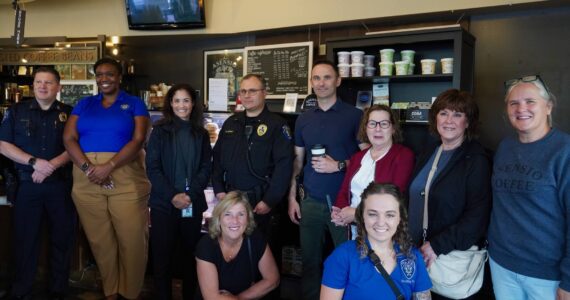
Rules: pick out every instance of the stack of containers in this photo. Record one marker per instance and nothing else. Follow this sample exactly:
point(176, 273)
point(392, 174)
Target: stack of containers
point(357, 66)
point(408, 55)
point(386, 62)
point(344, 63)
point(369, 68)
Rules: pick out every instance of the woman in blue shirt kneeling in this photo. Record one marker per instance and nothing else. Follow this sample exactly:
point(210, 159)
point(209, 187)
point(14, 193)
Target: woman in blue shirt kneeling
point(382, 226)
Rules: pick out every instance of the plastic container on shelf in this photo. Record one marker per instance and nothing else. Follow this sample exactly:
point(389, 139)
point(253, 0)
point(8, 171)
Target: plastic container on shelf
point(428, 66)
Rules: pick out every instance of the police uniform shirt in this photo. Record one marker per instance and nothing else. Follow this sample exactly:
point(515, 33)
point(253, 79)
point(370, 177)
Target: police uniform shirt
point(35, 131)
point(270, 150)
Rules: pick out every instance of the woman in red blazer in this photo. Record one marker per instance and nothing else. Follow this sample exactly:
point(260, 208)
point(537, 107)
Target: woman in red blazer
point(384, 161)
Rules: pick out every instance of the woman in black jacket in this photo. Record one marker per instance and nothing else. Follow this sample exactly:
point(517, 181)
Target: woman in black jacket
point(459, 201)
point(178, 165)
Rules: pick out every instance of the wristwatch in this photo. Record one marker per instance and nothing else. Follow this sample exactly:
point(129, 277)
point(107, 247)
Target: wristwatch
point(84, 167)
point(32, 161)
point(341, 165)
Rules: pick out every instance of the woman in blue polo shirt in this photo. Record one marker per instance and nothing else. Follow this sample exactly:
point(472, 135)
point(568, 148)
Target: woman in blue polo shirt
point(104, 137)
point(382, 229)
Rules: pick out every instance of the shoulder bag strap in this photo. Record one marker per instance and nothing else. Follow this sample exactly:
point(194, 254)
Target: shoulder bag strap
point(376, 260)
point(250, 261)
point(426, 190)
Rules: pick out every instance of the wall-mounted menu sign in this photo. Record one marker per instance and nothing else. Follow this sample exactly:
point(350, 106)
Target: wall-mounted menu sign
point(49, 56)
point(285, 67)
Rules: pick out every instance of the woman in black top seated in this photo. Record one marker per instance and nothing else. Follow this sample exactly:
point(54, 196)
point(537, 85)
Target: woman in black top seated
point(232, 262)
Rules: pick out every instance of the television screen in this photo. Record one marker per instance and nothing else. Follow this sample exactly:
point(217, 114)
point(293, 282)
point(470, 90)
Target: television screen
point(165, 14)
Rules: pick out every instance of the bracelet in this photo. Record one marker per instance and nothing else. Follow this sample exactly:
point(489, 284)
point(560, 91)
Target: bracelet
point(112, 163)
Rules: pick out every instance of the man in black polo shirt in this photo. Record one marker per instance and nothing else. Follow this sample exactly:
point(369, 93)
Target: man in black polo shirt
point(31, 136)
point(254, 153)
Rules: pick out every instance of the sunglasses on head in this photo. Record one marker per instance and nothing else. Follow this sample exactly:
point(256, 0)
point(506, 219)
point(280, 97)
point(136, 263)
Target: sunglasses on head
point(530, 78)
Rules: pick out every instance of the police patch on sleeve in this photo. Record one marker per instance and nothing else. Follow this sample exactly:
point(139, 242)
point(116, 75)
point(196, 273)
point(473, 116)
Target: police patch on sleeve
point(6, 114)
point(286, 132)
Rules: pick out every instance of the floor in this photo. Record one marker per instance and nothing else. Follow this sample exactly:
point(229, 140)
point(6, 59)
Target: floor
point(85, 285)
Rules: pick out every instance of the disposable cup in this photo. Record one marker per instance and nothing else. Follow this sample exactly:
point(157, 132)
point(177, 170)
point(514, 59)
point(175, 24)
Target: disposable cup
point(387, 55)
point(447, 65)
point(386, 68)
point(369, 61)
point(369, 71)
point(344, 70)
point(343, 57)
point(402, 67)
point(356, 57)
point(408, 55)
point(357, 70)
point(411, 69)
point(428, 66)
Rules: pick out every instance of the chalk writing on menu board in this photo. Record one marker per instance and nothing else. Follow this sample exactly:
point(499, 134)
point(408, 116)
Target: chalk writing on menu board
point(72, 92)
point(285, 67)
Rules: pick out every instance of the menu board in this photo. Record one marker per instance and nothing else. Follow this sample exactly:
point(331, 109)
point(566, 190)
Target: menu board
point(74, 90)
point(285, 67)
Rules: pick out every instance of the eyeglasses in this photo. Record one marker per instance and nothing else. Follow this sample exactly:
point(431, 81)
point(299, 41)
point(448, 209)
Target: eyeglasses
point(531, 78)
point(383, 124)
point(251, 92)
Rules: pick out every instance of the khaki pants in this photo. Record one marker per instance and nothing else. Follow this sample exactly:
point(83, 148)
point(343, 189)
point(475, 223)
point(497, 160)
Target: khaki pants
point(116, 224)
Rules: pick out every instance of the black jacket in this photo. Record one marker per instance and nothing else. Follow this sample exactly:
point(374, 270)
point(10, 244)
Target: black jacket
point(160, 158)
point(270, 151)
point(459, 199)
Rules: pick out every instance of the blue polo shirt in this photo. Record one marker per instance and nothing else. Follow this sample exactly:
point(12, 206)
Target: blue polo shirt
point(337, 130)
point(345, 269)
point(108, 129)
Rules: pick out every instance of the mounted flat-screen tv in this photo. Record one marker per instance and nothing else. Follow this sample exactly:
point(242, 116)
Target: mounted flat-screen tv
point(165, 14)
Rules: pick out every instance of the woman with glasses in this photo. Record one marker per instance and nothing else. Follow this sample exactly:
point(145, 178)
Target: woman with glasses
point(529, 231)
point(458, 189)
point(384, 161)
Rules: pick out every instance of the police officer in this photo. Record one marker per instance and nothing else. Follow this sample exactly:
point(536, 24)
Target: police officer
point(254, 153)
point(31, 136)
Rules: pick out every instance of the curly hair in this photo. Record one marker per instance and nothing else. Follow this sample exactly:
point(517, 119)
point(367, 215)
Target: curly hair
point(231, 199)
point(196, 116)
point(459, 101)
point(397, 136)
point(402, 236)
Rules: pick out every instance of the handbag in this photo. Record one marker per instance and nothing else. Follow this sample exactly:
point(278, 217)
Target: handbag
point(458, 274)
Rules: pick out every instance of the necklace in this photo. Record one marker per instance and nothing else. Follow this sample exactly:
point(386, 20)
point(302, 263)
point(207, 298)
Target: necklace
point(230, 251)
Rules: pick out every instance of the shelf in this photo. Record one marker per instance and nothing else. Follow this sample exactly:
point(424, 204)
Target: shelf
point(402, 78)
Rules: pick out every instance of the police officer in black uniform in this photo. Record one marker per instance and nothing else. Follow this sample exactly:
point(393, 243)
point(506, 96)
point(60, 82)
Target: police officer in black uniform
point(254, 153)
point(31, 136)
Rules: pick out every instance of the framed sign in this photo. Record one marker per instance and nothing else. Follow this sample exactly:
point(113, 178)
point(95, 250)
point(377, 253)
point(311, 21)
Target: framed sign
point(285, 67)
point(223, 64)
point(73, 90)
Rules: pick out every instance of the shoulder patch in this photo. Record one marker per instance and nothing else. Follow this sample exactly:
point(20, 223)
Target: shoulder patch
point(6, 114)
point(286, 132)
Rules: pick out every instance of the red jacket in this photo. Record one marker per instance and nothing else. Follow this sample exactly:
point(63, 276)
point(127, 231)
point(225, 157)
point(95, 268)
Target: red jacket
point(395, 167)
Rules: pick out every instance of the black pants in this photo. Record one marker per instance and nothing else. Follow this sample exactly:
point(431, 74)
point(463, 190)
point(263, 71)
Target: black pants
point(33, 200)
point(166, 233)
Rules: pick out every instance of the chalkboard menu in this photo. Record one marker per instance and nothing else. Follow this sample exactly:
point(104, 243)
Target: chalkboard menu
point(73, 90)
point(285, 67)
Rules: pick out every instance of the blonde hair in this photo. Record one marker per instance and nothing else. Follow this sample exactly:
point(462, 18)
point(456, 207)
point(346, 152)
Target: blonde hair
point(231, 199)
